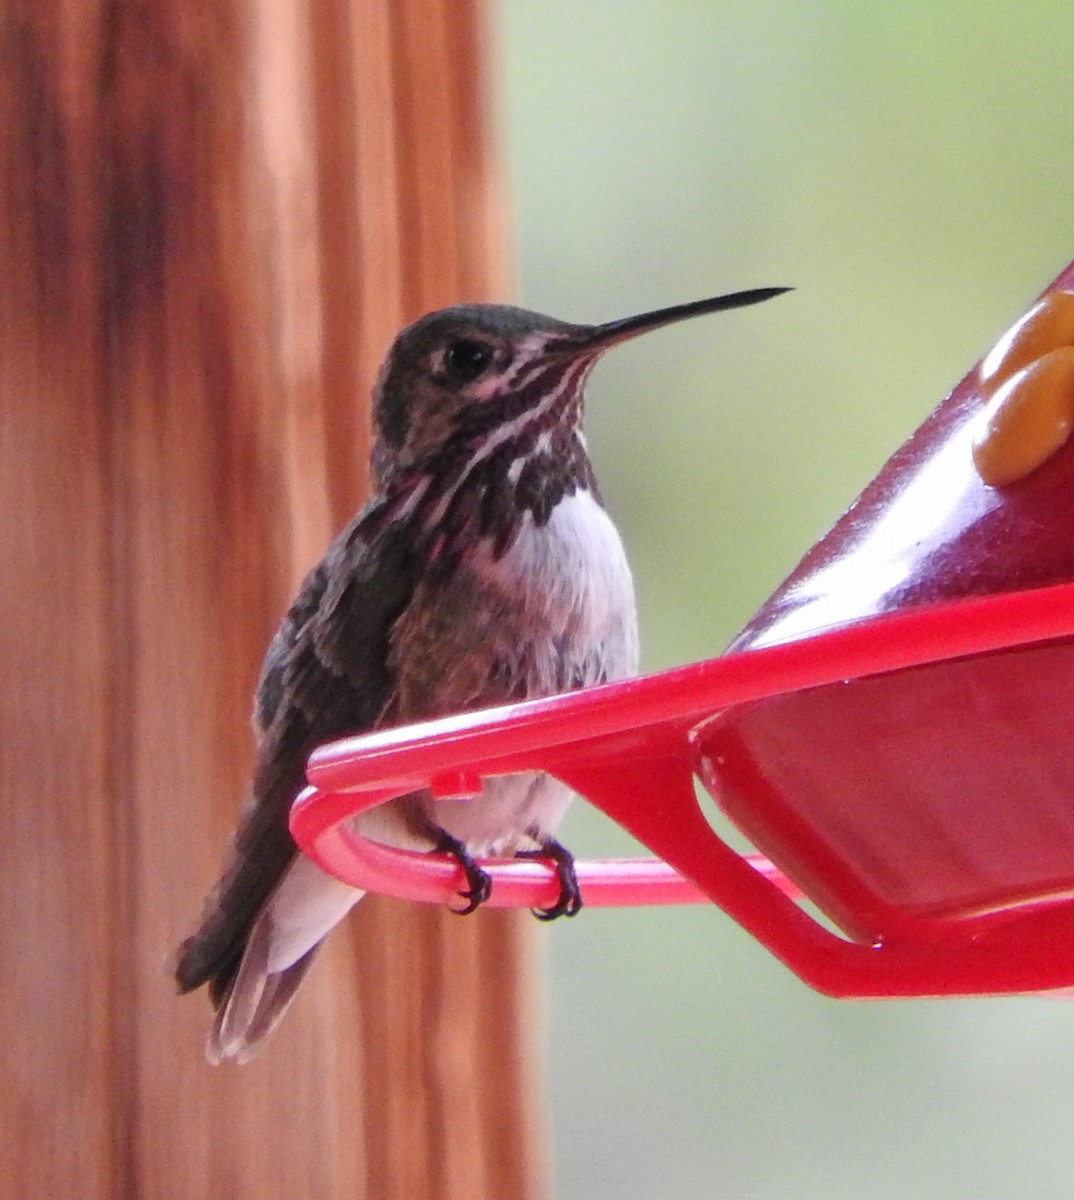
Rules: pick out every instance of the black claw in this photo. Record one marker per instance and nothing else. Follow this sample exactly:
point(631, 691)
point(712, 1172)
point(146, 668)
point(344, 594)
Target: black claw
point(569, 903)
point(479, 881)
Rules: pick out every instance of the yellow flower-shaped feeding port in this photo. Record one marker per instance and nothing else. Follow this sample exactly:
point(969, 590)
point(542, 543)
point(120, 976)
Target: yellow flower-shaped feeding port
point(1027, 380)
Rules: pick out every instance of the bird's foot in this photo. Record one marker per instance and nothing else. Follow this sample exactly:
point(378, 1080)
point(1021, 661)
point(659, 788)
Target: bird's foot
point(569, 903)
point(479, 883)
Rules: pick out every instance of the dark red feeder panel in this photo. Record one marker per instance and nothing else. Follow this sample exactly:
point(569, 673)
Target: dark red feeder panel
point(894, 731)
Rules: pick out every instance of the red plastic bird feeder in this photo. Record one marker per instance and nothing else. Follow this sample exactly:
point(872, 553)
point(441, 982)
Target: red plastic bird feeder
point(894, 729)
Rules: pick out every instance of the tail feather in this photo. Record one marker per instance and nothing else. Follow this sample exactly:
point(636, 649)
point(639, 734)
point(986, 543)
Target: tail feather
point(262, 854)
point(253, 974)
point(255, 999)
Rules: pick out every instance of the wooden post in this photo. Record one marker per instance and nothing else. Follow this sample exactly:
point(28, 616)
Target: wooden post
point(213, 216)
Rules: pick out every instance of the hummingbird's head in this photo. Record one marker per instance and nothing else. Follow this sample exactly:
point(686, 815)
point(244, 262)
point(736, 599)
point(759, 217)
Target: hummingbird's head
point(464, 383)
point(459, 375)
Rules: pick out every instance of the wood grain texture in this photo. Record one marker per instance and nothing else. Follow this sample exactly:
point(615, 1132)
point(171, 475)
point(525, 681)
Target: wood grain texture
point(213, 216)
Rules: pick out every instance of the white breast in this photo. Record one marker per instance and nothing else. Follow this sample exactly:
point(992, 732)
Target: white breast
point(572, 574)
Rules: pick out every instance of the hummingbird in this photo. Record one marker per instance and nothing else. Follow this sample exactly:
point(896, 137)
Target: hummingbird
point(483, 570)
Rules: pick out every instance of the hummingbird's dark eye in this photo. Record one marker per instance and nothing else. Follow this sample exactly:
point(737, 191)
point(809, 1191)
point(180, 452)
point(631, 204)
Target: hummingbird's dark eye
point(466, 359)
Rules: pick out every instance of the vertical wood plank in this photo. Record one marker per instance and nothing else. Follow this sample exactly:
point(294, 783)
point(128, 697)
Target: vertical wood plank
point(213, 215)
point(57, 927)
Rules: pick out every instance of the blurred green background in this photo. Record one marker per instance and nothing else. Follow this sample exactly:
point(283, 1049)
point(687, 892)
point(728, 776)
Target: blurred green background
point(909, 168)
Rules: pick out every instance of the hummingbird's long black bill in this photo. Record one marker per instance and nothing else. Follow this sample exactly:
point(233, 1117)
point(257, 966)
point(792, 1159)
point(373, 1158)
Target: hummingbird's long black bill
point(613, 332)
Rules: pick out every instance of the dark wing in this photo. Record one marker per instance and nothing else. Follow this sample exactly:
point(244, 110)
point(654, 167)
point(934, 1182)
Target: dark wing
point(325, 674)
